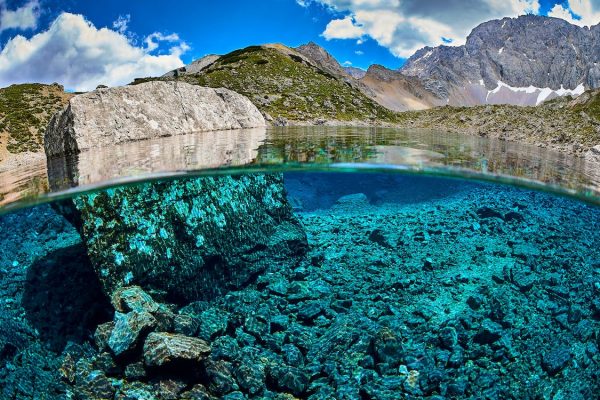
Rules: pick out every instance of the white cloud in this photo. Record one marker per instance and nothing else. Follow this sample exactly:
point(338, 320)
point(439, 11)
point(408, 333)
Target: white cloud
point(80, 56)
point(122, 23)
point(153, 40)
point(578, 12)
point(359, 52)
point(408, 25)
point(22, 18)
point(558, 11)
point(343, 29)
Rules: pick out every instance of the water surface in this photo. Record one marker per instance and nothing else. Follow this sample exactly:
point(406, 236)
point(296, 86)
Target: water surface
point(409, 151)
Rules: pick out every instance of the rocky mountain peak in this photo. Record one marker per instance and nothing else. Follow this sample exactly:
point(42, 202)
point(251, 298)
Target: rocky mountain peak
point(380, 72)
point(356, 73)
point(534, 58)
point(322, 58)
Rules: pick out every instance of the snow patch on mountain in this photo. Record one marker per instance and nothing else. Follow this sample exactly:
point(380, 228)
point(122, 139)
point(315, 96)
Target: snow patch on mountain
point(506, 94)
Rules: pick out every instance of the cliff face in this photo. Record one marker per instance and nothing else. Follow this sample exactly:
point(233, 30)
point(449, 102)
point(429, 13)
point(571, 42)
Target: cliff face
point(522, 61)
point(153, 109)
point(323, 59)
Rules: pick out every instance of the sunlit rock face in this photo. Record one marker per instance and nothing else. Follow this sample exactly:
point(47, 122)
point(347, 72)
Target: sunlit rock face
point(521, 61)
point(189, 239)
point(148, 110)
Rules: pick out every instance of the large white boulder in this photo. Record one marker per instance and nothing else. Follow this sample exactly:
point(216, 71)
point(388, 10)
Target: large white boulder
point(109, 116)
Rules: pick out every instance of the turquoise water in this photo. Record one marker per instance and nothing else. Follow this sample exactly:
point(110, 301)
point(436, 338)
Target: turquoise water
point(305, 284)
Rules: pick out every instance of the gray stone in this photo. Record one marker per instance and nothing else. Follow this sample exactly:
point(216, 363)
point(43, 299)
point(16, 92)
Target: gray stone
point(556, 360)
point(161, 349)
point(153, 109)
point(128, 330)
point(194, 67)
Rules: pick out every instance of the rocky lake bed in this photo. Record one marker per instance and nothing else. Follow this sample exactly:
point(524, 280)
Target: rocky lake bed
point(452, 290)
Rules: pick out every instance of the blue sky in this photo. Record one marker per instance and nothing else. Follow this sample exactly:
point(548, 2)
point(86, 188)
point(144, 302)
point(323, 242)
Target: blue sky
point(40, 42)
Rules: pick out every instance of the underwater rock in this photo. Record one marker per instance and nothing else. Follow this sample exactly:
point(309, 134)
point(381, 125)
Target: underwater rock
point(189, 239)
point(486, 212)
point(186, 324)
point(555, 360)
point(289, 379)
point(133, 298)
point(92, 384)
point(170, 389)
point(102, 334)
point(162, 349)
point(377, 236)
point(220, 377)
point(490, 332)
point(154, 109)
point(128, 330)
point(136, 314)
point(213, 322)
point(198, 392)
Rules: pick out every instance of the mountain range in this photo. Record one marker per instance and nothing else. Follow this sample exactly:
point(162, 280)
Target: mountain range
point(518, 61)
point(523, 61)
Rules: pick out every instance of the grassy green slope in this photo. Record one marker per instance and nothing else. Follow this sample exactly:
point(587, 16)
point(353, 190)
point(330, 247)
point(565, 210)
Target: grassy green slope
point(25, 111)
point(283, 84)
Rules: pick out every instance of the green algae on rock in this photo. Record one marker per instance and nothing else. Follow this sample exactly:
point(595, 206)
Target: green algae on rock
point(190, 239)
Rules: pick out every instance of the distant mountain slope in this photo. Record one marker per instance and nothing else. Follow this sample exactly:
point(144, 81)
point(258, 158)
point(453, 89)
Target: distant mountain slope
point(568, 124)
point(24, 114)
point(524, 61)
point(195, 67)
point(288, 86)
point(356, 73)
point(322, 59)
point(389, 88)
point(398, 92)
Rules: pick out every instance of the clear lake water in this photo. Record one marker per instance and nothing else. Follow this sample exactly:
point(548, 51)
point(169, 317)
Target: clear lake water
point(307, 263)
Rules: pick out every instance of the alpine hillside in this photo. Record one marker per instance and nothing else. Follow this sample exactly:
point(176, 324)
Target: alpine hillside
point(288, 86)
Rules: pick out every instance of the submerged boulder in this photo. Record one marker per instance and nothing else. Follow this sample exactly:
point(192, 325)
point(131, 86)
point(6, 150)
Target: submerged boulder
point(188, 239)
point(161, 349)
point(110, 116)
